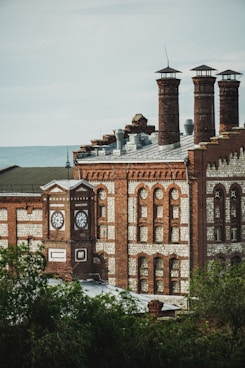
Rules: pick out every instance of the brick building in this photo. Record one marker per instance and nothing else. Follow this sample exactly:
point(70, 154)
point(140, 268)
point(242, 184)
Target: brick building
point(144, 206)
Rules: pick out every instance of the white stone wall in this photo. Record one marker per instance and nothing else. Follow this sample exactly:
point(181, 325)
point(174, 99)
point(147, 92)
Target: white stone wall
point(4, 243)
point(235, 167)
point(3, 229)
point(181, 250)
point(184, 210)
point(108, 248)
point(228, 249)
point(111, 232)
point(133, 184)
point(35, 215)
point(110, 185)
point(26, 230)
point(111, 209)
point(234, 171)
point(3, 214)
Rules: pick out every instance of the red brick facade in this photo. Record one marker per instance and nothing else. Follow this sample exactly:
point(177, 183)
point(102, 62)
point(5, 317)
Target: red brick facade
point(157, 204)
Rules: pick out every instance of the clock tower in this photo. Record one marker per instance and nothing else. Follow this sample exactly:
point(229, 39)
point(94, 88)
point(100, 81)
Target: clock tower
point(68, 229)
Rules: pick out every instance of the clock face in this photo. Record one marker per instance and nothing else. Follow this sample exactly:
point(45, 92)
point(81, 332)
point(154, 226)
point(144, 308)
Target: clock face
point(57, 220)
point(81, 219)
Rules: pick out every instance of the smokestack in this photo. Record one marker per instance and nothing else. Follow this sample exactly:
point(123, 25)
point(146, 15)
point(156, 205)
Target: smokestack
point(204, 118)
point(168, 108)
point(228, 92)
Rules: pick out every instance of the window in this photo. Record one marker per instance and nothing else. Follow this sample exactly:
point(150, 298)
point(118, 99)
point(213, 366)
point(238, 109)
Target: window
point(143, 286)
point(143, 211)
point(174, 276)
point(159, 287)
point(143, 275)
point(175, 212)
point(159, 212)
point(102, 211)
point(174, 287)
point(235, 213)
point(158, 266)
point(143, 266)
point(235, 260)
point(102, 232)
point(174, 234)
point(102, 214)
point(218, 233)
point(158, 275)
point(234, 234)
point(174, 216)
point(158, 236)
point(219, 214)
point(143, 234)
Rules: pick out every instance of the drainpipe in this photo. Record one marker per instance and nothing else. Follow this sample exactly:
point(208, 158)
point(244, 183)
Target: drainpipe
point(187, 163)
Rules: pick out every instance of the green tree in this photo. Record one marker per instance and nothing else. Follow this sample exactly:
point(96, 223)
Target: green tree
point(218, 295)
point(60, 326)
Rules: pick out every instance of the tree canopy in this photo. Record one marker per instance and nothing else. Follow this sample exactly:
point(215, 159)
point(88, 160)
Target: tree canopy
point(60, 326)
point(218, 292)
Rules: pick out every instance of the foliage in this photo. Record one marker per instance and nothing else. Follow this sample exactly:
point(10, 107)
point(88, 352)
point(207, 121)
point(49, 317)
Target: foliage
point(20, 281)
point(218, 293)
point(60, 326)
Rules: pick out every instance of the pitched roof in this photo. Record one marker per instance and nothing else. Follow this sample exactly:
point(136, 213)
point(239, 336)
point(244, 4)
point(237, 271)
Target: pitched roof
point(15, 179)
point(148, 153)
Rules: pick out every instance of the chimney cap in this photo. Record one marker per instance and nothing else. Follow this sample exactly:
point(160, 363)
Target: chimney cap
point(168, 70)
point(203, 68)
point(227, 74)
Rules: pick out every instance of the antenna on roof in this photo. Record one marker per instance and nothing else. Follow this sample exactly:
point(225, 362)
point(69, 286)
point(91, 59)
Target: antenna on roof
point(68, 165)
point(166, 54)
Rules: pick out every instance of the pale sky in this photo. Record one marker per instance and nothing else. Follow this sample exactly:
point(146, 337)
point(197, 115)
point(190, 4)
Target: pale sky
point(73, 70)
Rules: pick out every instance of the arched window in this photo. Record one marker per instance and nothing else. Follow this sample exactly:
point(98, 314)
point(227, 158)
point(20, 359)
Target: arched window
point(219, 214)
point(235, 213)
point(174, 216)
point(143, 215)
point(235, 260)
point(158, 215)
point(101, 214)
point(143, 266)
point(234, 233)
point(158, 275)
point(174, 276)
point(142, 275)
point(158, 234)
point(218, 233)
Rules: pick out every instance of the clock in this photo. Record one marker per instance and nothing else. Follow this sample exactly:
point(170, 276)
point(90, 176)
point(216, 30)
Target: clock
point(57, 220)
point(81, 219)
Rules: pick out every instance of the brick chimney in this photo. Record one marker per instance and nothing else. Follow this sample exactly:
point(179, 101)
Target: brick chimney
point(228, 92)
point(168, 123)
point(204, 117)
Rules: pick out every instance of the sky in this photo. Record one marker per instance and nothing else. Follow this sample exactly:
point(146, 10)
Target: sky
point(74, 70)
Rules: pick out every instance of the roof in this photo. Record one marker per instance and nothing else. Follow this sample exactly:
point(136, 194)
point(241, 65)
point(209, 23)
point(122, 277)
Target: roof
point(148, 153)
point(94, 288)
point(229, 72)
point(66, 184)
point(168, 69)
point(203, 67)
point(15, 179)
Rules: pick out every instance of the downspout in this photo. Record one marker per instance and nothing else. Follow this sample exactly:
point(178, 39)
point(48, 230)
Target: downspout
point(187, 163)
